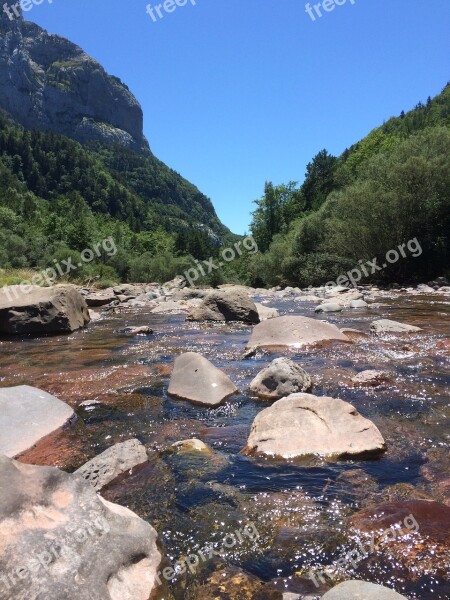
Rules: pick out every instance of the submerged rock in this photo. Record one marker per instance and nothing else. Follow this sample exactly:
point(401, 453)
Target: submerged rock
point(281, 378)
point(59, 539)
point(36, 310)
point(192, 445)
point(113, 462)
point(369, 378)
point(361, 590)
point(27, 415)
point(294, 331)
point(304, 424)
point(197, 380)
point(143, 330)
point(387, 326)
point(328, 307)
point(226, 305)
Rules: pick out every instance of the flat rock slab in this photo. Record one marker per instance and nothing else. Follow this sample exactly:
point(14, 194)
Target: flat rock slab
point(68, 542)
point(281, 378)
point(113, 462)
point(361, 590)
point(197, 380)
point(304, 424)
point(27, 415)
point(294, 331)
point(59, 309)
point(387, 326)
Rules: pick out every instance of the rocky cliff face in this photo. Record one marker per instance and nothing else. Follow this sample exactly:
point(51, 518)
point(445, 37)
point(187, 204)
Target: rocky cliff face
point(49, 83)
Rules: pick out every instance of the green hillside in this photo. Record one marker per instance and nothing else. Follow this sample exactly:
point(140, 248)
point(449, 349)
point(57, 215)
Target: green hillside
point(389, 188)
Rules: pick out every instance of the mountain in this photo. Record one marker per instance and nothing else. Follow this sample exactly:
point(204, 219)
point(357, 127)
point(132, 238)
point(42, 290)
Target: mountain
point(49, 83)
point(67, 126)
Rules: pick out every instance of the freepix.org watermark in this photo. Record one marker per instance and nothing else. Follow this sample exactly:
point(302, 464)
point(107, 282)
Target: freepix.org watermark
point(42, 560)
point(158, 11)
point(205, 267)
point(370, 267)
point(355, 556)
point(61, 269)
point(12, 11)
point(315, 10)
point(191, 562)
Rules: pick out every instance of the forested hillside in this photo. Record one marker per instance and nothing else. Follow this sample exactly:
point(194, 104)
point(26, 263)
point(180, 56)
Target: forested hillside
point(58, 196)
point(389, 188)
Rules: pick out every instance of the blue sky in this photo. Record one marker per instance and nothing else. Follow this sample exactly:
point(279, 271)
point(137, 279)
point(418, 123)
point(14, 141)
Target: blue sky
point(236, 92)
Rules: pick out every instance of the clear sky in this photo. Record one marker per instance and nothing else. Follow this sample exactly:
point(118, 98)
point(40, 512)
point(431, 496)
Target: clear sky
point(236, 92)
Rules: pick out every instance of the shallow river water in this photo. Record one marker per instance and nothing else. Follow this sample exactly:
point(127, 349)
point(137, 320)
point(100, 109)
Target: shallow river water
point(118, 387)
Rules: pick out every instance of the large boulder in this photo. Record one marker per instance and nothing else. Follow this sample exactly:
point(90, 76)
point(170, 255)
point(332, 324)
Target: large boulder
point(59, 539)
point(304, 424)
point(294, 331)
point(117, 460)
point(281, 378)
point(197, 380)
point(388, 326)
point(27, 415)
point(36, 310)
point(361, 590)
point(226, 305)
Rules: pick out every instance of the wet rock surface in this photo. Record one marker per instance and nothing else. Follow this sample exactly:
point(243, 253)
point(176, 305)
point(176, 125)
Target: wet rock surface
point(281, 378)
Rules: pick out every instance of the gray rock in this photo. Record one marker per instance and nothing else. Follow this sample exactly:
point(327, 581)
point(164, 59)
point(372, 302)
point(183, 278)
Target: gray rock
point(35, 310)
point(361, 590)
point(369, 378)
point(266, 312)
point(192, 445)
point(101, 298)
point(281, 378)
point(49, 83)
point(344, 299)
point(358, 304)
point(328, 307)
point(27, 415)
point(387, 326)
point(113, 462)
point(303, 424)
point(143, 330)
point(197, 380)
point(67, 542)
point(293, 331)
point(226, 305)
point(169, 306)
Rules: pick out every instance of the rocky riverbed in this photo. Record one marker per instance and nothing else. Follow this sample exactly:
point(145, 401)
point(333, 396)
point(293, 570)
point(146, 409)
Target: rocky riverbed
point(309, 506)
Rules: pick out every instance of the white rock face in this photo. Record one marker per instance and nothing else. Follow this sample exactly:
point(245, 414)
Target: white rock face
point(304, 424)
point(197, 380)
point(27, 415)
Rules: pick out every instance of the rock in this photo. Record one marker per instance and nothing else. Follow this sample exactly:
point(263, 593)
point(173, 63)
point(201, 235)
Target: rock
point(227, 305)
point(358, 304)
point(36, 310)
point(294, 331)
point(328, 307)
point(192, 445)
point(27, 415)
point(174, 285)
point(344, 299)
point(197, 380)
point(361, 590)
point(96, 299)
point(387, 326)
point(113, 462)
point(304, 424)
point(281, 378)
point(354, 333)
point(68, 542)
point(229, 583)
point(94, 315)
point(370, 378)
point(143, 330)
point(425, 289)
point(266, 312)
point(169, 306)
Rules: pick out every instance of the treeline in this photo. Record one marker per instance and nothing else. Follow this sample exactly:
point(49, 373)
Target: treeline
point(391, 187)
point(58, 198)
